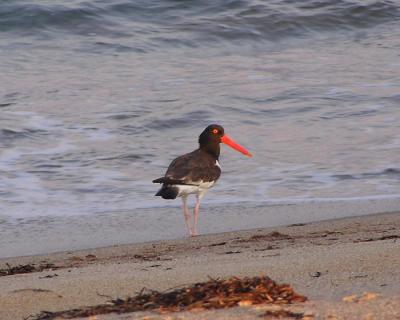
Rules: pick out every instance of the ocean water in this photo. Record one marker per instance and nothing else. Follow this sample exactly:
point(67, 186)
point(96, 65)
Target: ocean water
point(97, 97)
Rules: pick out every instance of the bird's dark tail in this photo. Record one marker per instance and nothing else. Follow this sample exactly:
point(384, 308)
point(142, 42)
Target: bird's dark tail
point(168, 192)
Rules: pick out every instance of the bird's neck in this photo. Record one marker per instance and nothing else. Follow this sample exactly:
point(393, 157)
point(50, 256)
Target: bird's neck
point(212, 149)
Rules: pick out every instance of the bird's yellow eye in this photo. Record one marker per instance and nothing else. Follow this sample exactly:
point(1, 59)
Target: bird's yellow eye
point(215, 131)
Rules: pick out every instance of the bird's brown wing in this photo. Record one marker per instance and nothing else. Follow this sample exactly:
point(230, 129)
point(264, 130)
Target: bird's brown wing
point(191, 169)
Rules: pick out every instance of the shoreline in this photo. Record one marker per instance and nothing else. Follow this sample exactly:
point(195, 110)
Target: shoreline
point(326, 261)
point(49, 234)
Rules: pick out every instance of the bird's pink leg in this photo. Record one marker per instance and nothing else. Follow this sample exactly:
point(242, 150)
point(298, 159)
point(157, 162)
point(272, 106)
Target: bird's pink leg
point(196, 214)
point(186, 214)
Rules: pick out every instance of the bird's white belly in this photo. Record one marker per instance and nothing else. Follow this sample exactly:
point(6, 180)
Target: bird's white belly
point(201, 188)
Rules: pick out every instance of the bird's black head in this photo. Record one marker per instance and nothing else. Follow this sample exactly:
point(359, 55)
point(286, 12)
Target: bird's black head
point(210, 139)
point(213, 135)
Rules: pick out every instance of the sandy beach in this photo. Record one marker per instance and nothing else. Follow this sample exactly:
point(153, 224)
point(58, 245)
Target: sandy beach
point(99, 98)
point(348, 268)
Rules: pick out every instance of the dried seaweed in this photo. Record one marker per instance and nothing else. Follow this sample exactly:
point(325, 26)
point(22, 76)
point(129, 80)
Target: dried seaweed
point(387, 237)
point(272, 236)
point(217, 244)
point(213, 294)
point(25, 268)
point(283, 314)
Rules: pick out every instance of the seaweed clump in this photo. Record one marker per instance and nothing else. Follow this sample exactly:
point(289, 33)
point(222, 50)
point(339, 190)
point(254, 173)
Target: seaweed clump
point(25, 268)
point(212, 294)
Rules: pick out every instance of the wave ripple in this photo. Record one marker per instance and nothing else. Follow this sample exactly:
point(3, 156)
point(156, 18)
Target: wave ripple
point(193, 23)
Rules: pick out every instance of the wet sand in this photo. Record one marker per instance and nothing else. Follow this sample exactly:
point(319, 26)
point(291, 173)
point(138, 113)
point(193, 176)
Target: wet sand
point(348, 268)
point(43, 234)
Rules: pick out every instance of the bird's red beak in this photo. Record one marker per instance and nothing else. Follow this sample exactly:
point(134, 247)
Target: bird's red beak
point(230, 142)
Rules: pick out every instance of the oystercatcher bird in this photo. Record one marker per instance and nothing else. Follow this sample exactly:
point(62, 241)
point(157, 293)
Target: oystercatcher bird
point(196, 172)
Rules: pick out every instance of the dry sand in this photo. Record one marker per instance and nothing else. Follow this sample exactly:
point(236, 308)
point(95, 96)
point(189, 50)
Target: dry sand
point(349, 269)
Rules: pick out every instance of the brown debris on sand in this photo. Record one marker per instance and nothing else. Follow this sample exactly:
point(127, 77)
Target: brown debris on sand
point(213, 294)
point(26, 268)
point(272, 236)
point(282, 314)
